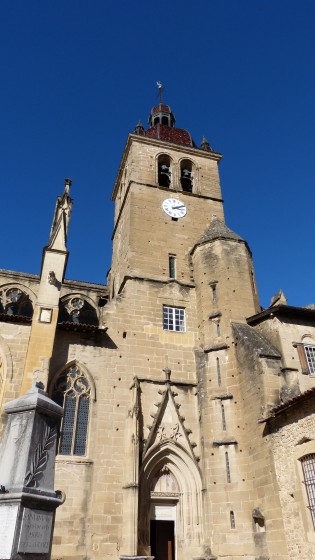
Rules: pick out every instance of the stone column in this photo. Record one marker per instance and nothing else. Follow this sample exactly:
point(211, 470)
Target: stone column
point(131, 487)
point(27, 469)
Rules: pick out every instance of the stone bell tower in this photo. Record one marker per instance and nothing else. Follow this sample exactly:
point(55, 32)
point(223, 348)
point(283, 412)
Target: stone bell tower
point(186, 278)
point(165, 193)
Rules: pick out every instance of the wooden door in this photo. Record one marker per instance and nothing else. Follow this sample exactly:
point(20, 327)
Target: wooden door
point(162, 540)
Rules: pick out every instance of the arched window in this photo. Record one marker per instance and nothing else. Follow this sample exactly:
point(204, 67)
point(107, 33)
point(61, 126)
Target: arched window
point(72, 391)
point(75, 309)
point(13, 301)
point(308, 467)
point(164, 171)
point(186, 175)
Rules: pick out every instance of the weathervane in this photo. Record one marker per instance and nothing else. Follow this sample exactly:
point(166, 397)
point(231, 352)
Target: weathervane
point(160, 88)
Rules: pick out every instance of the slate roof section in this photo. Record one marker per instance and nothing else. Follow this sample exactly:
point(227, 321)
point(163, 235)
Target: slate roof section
point(254, 341)
point(217, 230)
point(294, 401)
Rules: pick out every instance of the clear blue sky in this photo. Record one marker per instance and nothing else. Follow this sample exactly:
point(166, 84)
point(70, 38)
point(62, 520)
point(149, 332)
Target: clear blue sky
point(77, 75)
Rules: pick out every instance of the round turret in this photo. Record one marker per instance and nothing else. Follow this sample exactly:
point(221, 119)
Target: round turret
point(161, 114)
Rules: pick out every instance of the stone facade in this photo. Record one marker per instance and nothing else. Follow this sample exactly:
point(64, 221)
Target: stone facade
point(188, 409)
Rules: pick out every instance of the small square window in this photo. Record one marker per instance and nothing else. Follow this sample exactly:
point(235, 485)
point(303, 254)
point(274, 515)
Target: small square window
point(174, 319)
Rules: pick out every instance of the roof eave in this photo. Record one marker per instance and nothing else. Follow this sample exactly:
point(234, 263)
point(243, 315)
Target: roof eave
point(278, 410)
point(282, 310)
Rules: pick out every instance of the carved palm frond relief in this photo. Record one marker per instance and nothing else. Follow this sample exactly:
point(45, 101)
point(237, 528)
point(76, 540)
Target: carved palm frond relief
point(40, 458)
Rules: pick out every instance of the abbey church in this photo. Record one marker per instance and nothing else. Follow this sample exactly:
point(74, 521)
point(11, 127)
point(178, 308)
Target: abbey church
point(189, 410)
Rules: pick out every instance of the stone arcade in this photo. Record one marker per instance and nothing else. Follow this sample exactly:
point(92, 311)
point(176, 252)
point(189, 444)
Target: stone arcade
point(188, 428)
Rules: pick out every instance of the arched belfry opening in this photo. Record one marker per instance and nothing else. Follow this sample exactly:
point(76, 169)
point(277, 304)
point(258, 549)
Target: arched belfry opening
point(164, 171)
point(187, 175)
point(170, 519)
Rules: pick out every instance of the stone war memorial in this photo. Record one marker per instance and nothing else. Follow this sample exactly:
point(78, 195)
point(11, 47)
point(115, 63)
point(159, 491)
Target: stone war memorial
point(27, 462)
point(188, 427)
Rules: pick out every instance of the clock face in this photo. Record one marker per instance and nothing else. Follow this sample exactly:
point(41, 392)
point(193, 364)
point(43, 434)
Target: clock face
point(174, 208)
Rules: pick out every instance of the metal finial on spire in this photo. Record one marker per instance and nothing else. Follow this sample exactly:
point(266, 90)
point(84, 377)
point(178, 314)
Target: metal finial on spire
point(160, 88)
point(205, 145)
point(139, 128)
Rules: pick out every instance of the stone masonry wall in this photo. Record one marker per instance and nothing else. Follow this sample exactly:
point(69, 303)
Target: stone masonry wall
point(292, 436)
point(135, 344)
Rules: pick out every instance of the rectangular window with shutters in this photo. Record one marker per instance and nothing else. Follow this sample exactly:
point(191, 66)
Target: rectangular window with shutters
point(310, 357)
point(307, 358)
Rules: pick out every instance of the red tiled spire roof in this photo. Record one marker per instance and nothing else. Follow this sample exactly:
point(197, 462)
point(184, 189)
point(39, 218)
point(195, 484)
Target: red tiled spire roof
point(162, 121)
point(170, 134)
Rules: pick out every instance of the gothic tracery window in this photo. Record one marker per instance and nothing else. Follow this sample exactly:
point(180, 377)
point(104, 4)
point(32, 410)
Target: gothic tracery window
point(15, 302)
point(72, 391)
point(75, 309)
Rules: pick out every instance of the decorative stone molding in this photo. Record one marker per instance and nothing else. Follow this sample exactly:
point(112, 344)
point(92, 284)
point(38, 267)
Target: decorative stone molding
point(227, 441)
point(222, 396)
point(215, 347)
point(215, 314)
point(168, 433)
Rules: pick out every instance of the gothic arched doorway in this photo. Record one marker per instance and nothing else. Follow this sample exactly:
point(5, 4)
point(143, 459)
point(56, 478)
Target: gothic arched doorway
point(169, 504)
point(164, 496)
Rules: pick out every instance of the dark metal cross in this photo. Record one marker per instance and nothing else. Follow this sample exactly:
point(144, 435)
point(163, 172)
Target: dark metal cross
point(160, 88)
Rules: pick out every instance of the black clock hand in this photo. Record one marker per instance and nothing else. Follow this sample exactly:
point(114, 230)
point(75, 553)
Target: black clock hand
point(176, 207)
